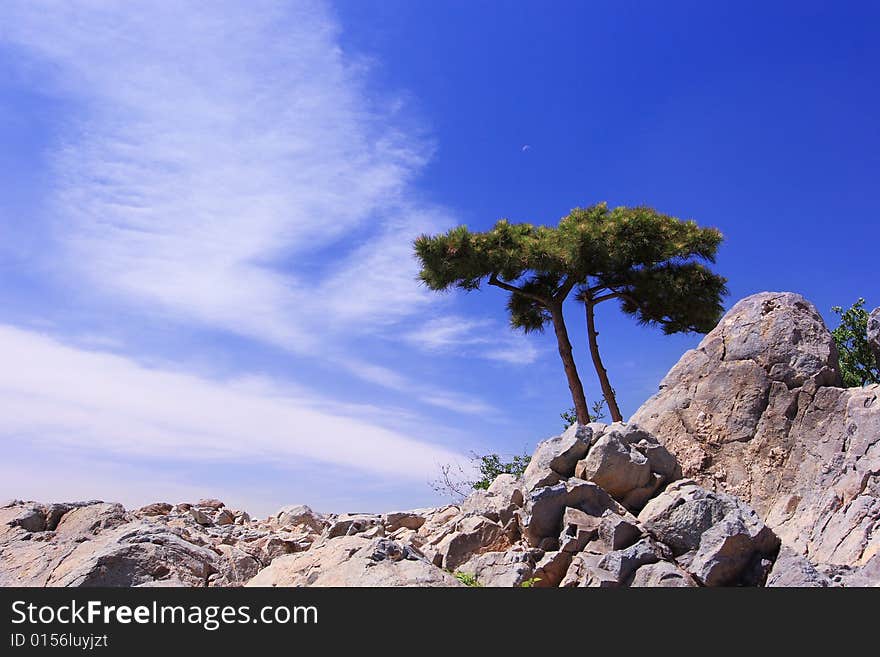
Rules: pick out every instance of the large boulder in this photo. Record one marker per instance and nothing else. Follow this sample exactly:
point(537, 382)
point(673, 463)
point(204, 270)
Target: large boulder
point(542, 516)
point(629, 463)
point(756, 411)
point(501, 569)
point(472, 535)
point(295, 515)
point(354, 561)
point(97, 545)
point(792, 569)
point(555, 458)
point(716, 537)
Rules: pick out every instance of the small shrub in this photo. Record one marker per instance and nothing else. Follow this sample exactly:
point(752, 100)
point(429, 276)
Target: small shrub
point(857, 364)
point(467, 579)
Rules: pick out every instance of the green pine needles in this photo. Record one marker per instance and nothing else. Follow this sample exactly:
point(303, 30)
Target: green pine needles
point(652, 264)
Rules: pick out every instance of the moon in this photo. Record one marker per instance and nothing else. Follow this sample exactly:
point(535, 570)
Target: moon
point(526, 148)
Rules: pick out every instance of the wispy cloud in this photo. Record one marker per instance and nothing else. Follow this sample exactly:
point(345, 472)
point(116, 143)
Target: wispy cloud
point(227, 165)
point(55, 394)
point(218, 159)
point(473, 338)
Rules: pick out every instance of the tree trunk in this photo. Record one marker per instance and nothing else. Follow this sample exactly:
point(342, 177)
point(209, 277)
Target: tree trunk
point(607, 390)
point(574, 381)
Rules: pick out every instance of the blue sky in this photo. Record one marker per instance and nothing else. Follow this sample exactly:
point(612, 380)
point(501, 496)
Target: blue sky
point(207, 211)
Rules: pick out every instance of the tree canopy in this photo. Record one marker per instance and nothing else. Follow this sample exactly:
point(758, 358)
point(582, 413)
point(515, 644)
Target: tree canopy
point(653, 264)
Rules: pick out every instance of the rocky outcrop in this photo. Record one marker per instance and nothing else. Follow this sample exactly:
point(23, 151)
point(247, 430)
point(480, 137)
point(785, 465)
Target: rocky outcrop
point(750, 467)
point(756, 411)
point(569, 521)
point(354, 561)
point(99, 544)
point(874, 334)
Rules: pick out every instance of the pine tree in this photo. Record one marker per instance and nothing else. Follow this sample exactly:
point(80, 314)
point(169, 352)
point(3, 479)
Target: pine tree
point(651, 263)
point(522, 259)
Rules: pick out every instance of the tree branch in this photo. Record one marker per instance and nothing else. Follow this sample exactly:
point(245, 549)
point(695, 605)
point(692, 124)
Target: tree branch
point(493, 280)
point(615, 295)
point(565, 288)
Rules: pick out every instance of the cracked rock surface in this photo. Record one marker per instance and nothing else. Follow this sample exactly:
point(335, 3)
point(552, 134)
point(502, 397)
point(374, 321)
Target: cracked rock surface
point(757, 411)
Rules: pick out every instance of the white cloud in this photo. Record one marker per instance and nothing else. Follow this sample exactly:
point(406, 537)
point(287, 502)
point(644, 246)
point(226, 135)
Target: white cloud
point(59, 395)
point(226, 164)
point(473, 338)
point(427, 394)
point(218, 159)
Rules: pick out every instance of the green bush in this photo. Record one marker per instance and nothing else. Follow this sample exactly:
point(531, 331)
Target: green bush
point(857, 364)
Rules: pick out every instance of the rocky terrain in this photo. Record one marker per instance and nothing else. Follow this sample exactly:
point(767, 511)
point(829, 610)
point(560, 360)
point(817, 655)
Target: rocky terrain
point(750, 467)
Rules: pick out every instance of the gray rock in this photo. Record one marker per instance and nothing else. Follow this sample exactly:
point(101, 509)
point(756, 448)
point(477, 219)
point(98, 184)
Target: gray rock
point(555, 458)
point(794, 570)
point(725, 552)
point(585, 572)
point(629, 463)
point(618, 533)
point(874, 334)
point(621, 564)
point(551, 569)
point(756, 411)
point(472, 535)
point(131, 555)
point(299, 514)
point(407, 519)
point(662, 574)
point(716, 535)
point(348, 525)
point(200, 516)
point(684, 512)
point(544, 508)
point(354, 561)
point(500, 569)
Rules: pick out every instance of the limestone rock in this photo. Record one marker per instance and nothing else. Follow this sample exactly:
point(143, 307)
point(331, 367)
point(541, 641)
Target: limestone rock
point(621, 564)
point(544, 507)
point(551, 569)
point(555, 458)
point(201, 517)
point(629, 463)
point(717, 533)
point(354, 561)
point(155, 509)
point(756, 411)
point(131, 555)
point(793, 569)
point(500, 569)
point(472, 535)
point(662, 574)
point(84, 521)
point(408, 519)
point(349, 524)
point(299, 514)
